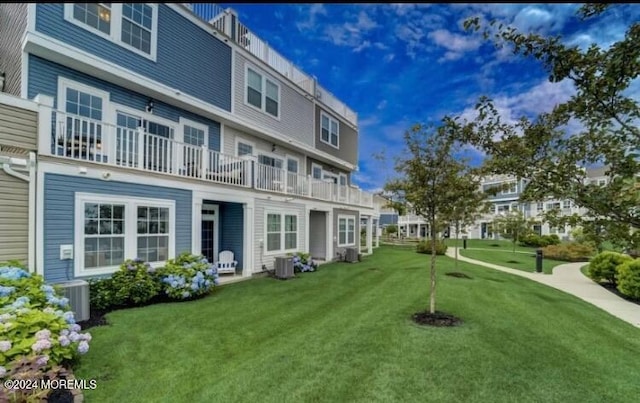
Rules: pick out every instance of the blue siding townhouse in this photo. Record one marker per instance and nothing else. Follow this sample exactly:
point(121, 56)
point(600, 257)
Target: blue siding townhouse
point(170, 128)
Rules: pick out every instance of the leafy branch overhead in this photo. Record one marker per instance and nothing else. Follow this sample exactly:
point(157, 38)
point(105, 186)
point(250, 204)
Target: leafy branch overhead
point(596, 126)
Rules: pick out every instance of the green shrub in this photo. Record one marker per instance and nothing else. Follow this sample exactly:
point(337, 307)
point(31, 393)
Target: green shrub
point(568, 252)
point(102, 294)
point(187, 276)
point(35, 322)
point(134, 283)
point(628, 278)
point(537, 241)
point(604, 265)
point(425, 247)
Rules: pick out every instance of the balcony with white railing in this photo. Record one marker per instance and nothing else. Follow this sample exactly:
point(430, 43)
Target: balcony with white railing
point(83, 139)
point(223, 21)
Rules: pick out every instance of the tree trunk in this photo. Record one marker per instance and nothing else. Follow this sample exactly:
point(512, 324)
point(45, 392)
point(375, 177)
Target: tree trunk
point(456, 251)
point(432, 297)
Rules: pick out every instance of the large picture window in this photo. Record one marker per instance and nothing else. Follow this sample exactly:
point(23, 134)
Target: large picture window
point(281, 232)
point(346, 230)
point(262, 93)
point(111, 229)
point(131, 25)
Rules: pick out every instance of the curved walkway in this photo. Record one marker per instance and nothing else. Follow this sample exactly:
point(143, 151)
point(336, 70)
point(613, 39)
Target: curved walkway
point(568, 278)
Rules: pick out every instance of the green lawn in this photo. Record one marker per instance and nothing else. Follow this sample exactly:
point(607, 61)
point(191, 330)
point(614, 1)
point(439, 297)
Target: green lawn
point(345, 334)
point(520, 261)
point(489, 244)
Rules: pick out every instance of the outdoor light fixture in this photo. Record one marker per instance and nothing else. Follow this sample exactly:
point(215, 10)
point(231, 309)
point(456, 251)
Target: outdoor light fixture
point(2, 80)
point(150, 105)
point(273, 147)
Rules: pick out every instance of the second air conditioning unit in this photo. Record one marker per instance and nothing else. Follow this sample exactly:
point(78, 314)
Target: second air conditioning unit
point(351, 255)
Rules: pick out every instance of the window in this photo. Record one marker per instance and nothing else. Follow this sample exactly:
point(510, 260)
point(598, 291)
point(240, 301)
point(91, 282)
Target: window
point(316, 171)
point(243, 148)
point(502, 208)
point(111, 229)
point(566, 204)
point(281, 232)
point(262, 93)
point(131, 25)
point(511, 189)
point(329, 132)
point(194, 136)
point(292, 165)
point(540, 207)
point(270, 161)
point(553, 205)
point(346, 230)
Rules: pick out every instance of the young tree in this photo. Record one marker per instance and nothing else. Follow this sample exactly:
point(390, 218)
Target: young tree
point(553, 157)
point(429, 182)
point(513, 226)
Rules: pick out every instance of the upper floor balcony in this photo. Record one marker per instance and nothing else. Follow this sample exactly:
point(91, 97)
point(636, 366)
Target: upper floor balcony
point(80, 138)
point(226, 22)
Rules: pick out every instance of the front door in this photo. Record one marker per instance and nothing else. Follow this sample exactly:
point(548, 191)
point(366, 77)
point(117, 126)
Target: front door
point(209, 238)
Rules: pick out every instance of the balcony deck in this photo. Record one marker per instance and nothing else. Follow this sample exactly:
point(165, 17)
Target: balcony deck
point(83, 139)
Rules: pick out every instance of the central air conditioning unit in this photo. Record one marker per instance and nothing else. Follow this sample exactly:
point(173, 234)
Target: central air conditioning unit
point(351, 255)
point(284, 267)
point(78, 293)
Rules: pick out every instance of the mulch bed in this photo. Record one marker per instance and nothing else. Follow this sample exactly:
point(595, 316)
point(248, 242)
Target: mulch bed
point(437, 319)
point(611, 288)
point(458, 274)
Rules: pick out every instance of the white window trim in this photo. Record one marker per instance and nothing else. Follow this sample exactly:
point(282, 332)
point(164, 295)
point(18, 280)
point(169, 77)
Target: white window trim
point(337, 126)
point(508, 191)
point(182, 122)
point(313, 166)
point(116, 28)
point(130, 228)
point(346, 235)
point(244, 141)
point(65, 83)
point(265, 77)
point(175, 126)
point(282, 215)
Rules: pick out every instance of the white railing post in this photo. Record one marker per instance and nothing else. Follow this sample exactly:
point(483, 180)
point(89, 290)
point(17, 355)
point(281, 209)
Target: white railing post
point(46, 129)
point(309, 185)
point(204, 162)
point(142, 147)
point(284, 182)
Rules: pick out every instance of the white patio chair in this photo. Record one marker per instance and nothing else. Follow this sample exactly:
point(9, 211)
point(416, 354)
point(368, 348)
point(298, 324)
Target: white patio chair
point(226, 264)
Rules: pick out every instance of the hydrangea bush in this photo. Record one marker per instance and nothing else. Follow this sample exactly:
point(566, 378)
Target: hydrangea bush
point(188, 276)
point(302, 262)
point(35, 322)
point(134, 283)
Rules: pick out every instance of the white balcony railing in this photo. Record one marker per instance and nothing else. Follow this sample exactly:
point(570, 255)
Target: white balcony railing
point(80, 138)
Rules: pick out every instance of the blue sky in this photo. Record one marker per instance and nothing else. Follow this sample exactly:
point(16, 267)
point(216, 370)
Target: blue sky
point(400, 64)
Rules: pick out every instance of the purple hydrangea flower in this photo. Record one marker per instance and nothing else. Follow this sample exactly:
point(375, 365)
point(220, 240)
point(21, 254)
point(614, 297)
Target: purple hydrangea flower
point(73, 336)
point(64, 341)
point(42, 360)
point(68, 316)
point(74, 328)
point(43, 334)
point(3, 371)
point(5, 345)
point(40, 345)
point(83, 347)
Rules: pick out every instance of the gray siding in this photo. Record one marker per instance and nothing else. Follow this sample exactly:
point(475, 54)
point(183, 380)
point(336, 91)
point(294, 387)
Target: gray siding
point(18, 127)
point(318, 238)
point(13, 23)
point(259, 229)
point(43, 79)
point(59, 215)
point(231, 230)
point(347, 139)
point(296, 111)
point(188, 59)
point(336, 213)
point(14, 218)
point(230, 135)
point(327, 167)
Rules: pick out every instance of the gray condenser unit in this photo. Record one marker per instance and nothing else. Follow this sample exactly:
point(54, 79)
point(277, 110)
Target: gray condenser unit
point(78, 293)
point(351, 255)
point(284, 267)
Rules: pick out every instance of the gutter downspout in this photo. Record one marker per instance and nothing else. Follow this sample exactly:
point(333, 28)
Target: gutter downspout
point(31, 165)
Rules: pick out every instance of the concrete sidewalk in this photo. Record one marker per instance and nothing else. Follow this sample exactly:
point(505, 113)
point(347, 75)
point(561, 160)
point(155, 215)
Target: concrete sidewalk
point(568, 278)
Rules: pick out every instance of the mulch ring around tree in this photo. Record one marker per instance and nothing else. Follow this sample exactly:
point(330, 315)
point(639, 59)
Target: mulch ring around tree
point(458, 274)
point(437, 319)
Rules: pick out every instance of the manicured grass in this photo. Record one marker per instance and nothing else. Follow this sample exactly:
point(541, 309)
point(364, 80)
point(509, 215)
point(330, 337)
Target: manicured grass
point(519, 261)
point(344, 333)
point(489, 244)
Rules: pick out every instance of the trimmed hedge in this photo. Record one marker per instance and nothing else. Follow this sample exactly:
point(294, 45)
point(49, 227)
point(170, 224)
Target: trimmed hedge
point(604, 266)
point(628, 278)
point(538, 241)
point(568, 252)
point(425, 247)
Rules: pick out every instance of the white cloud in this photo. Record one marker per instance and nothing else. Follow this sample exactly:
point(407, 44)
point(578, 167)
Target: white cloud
point(312, 14)
point(353, 34)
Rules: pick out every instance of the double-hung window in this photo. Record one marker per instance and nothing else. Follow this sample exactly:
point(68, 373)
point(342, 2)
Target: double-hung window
point(131, 25)
point(111, 229)
point(329, 130)
point(281, 232)
point(346, 230)
point(262, 93)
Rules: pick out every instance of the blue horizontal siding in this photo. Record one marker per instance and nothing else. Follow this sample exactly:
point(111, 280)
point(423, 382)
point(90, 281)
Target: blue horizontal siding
point(43, 79)
point(231, 230)
point(188, 59)
point(59, 215)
